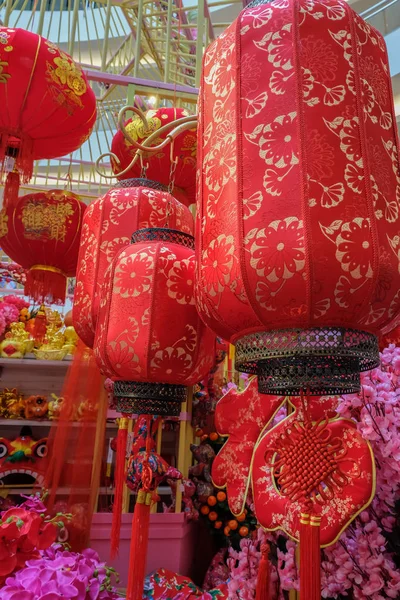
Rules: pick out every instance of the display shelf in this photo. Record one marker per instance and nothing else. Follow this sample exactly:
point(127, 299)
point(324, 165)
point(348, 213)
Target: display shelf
point(61, 365)
point(42, 423)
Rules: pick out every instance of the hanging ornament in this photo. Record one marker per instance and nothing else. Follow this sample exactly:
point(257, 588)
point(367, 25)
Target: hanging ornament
point(297, 246)
point(174, 165)
point(48, 107)
point(152, 343)
point(107, 227)
point(41, 233)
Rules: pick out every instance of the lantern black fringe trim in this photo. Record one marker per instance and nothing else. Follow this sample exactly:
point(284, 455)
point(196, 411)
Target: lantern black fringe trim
point(138, 398)
point(318, 361)
point(163, 234)
point(140, 182)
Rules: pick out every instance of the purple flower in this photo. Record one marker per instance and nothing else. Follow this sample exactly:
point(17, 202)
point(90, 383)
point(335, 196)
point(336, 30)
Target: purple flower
point(61, 574)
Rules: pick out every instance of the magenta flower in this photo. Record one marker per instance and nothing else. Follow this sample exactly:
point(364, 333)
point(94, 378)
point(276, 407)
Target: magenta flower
point(61, 574)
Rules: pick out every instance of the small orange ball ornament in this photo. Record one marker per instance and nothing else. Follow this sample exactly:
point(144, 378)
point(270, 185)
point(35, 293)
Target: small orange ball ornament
point(218, 524)
point(68, 319)
point(199, 433)
point(243, 531)
point(221, 496)
point(233, 524)
point(204, 437)
point(214, 436)
point(204, 509)
point(213, 516)
point(211, 500)
point(227, 531)
point(241, 517)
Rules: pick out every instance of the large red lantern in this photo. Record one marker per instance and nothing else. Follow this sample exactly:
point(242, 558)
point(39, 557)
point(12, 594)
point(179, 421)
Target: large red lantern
point(48, 108)
point(107, 228)
point(298, 197)
point(160, 166)
point(41, 233)
point(152, 343)
point(160, 346)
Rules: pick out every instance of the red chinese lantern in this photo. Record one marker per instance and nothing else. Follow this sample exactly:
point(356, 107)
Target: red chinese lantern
point(299, 189)
point(152, 343)
point(298, 217)
point(41, 233)
point(160, 166)
point(48, 107)
point(107, 228)
point(391, 337)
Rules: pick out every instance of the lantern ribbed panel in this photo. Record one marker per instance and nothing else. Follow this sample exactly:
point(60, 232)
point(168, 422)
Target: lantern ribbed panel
point(107, 227)
point(48, 108)
point(299, 186)
point(158, 165)
point(148, 327)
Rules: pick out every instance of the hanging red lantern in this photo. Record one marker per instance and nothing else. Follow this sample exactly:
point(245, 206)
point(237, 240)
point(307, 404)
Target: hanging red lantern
point(160, 166)
point(297, 239)
point(391, 337)
point(41, 233)
point(152, 343)
point(48, 107)
point(298, 197)
point(107, 228)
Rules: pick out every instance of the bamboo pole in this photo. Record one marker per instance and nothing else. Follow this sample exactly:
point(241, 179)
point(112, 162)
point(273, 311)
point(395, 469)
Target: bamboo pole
point(167, 44)
point(75, 16)
point(106, 34)
point(139, 24)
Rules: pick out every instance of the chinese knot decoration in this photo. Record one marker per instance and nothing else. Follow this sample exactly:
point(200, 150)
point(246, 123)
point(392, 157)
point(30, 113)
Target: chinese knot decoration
point(151, 342)
point(107, 228)
point(298, 251)
point(174, 166)
point(48, 107)
point(311, 474)
point(41, 233)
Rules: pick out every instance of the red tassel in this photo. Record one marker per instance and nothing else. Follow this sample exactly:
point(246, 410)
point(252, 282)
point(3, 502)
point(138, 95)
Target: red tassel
point(262, 589)
point(46, 284)
point(139, 544)
point(11, 189)
point(119, 480)
point(310, 558)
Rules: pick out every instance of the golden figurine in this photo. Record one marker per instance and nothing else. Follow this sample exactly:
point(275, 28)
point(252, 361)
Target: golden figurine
point(71, 340)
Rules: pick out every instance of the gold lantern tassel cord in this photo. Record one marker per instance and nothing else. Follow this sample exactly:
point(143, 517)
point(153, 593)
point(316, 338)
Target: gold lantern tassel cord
point(174, 128)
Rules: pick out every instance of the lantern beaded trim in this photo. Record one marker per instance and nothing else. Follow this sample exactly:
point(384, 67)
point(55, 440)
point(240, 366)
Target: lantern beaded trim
point(140, 182)
point(161, 234)
point(136, 397)
point(320, 360)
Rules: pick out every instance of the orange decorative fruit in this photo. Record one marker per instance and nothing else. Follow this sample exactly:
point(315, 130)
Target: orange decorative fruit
point(243, 531)
point(218, 524)
point(211, 500)
point(214, 436)
point(241, 517)
point(227, 531)
point(199, 433)
point(233, 524)
point(221, 496)
point(213, 516)
point(204, 509)
point(204, 437)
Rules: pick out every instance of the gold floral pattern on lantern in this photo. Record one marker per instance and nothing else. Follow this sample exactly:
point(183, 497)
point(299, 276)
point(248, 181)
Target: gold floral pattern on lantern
point(3, 76)
point(3, 223)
